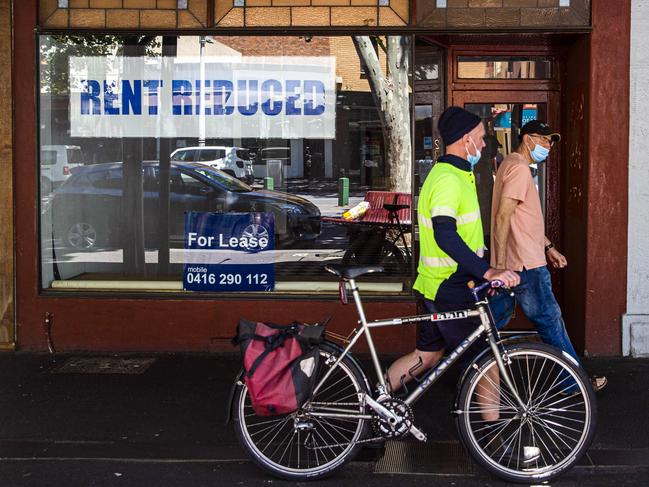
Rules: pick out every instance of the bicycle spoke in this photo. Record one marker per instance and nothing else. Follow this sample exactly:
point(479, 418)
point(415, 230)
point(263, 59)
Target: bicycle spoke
point(575, 420)
point(322, 391)
point(289, 443)
point(540, 438)
point(269, 429)
point(557, 434)
point(499, 388)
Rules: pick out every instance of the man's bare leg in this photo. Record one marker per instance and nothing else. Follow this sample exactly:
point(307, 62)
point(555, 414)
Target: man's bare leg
point(402, 365)
point(488, 392)
point(488, 389)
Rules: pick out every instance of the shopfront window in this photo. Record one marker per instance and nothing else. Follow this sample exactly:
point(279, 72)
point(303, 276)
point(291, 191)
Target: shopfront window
point(136, 132)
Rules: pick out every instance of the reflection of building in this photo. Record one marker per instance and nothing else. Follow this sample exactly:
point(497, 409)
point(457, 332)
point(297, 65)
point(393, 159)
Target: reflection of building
point(591, 181)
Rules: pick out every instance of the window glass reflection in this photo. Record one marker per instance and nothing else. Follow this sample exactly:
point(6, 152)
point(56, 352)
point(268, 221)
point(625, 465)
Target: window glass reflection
point(502, 67)
point(135, 133)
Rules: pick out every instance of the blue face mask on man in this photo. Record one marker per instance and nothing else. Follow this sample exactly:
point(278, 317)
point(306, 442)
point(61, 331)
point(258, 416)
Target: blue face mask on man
point(539, 153)
point(473, 158)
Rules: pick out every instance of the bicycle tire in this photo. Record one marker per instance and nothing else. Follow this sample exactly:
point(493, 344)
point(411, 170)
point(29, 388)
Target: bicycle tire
point(557, 429)
point(298, 461)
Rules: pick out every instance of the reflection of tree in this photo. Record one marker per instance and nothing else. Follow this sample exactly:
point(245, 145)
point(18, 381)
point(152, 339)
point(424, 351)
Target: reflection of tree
point(56, 52)
point(391, 94)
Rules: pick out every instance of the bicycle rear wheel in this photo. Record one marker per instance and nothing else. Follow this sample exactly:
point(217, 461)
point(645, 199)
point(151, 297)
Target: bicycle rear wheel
point(548, 436)
point(304, 445)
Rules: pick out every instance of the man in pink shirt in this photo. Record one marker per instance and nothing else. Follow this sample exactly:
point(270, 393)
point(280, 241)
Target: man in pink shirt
point(518, 240)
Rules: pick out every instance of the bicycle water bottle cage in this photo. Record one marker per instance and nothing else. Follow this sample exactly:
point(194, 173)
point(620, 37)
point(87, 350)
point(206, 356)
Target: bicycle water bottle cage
point(413, 369)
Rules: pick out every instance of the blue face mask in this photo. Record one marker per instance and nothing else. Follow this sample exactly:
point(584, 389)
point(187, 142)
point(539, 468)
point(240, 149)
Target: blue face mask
point(475, 158)
point(540, 153)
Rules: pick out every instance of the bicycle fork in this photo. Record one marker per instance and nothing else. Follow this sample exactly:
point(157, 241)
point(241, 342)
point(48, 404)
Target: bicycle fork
point(484, 318)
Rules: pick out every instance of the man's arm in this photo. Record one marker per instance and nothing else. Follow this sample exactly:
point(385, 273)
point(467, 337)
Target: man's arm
point(502, 224)
point(555, 257)
point(446, 236)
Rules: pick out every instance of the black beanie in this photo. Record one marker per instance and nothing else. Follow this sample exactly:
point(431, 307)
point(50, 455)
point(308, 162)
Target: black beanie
point(455, 122)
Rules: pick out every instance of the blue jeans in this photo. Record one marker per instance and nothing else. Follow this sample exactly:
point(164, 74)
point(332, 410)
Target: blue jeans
point(535, 297)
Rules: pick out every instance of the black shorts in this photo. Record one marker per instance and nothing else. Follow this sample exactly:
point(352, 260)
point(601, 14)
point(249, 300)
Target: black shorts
point(434, 336)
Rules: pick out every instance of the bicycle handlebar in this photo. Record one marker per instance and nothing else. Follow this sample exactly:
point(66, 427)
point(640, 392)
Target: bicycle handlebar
point(495, 284)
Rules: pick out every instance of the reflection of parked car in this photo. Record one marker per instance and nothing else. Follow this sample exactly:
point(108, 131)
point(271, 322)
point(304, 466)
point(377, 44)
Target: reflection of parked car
point(86, 210)
point(57, 162)
point(234, 161)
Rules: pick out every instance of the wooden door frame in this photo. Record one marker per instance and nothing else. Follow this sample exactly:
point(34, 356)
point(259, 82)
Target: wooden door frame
point(552, 186)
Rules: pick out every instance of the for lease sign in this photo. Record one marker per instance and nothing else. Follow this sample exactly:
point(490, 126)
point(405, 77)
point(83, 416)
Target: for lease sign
point(231, 97)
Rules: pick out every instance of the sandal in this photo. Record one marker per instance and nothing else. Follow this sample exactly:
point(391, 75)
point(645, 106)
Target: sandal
point(598, 382)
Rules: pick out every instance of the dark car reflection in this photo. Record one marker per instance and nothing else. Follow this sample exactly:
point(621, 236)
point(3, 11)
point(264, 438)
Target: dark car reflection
point(87, 209)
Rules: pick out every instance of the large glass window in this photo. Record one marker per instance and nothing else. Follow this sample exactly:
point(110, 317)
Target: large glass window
point(138, 131)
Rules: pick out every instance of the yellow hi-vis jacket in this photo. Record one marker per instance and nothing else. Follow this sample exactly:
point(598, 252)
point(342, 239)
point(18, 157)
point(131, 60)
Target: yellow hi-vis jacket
point(447, 191)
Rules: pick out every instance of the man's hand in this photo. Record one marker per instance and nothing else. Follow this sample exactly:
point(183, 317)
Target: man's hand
point(510, 278)
point(556, 259)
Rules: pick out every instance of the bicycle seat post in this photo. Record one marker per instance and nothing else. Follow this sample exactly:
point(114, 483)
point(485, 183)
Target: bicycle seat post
point(366, 330)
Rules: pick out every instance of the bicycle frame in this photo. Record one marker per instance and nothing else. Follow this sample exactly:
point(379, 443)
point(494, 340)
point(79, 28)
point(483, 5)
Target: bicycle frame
point(432, 375)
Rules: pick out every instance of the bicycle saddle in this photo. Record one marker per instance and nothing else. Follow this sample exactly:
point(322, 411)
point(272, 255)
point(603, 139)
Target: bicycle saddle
point(395, 208)
point(351, 271)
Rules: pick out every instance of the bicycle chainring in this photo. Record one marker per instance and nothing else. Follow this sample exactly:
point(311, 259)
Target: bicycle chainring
point(401, 427)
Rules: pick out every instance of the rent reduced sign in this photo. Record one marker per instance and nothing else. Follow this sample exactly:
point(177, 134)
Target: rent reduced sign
point(227, 252)
point(234, 97)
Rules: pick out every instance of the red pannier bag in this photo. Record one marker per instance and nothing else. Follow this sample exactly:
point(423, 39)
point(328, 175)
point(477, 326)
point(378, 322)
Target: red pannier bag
point(280, 364)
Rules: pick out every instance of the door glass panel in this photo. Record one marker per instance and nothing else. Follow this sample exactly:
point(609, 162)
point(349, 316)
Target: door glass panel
point(504, 67)
point(424, 143)
point(502, 123)
point(429, 104)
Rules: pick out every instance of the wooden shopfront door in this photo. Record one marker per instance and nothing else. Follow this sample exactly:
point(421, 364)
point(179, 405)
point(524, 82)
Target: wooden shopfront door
point(504, 113)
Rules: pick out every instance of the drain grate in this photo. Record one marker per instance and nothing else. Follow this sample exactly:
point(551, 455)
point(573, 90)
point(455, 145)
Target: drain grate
point(447, 458)
point(103, 365)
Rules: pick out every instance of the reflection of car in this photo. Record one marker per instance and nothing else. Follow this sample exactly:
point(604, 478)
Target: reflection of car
point(57, 162)
point(234, 161)
point(86, 211)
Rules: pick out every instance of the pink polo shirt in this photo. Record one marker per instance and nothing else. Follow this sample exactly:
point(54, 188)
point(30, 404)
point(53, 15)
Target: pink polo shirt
point(526, 240)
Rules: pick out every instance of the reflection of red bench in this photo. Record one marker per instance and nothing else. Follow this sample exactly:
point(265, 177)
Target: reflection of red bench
point(377, 215)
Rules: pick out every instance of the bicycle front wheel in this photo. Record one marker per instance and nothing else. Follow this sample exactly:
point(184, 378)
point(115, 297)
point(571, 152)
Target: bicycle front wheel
point(320, 437)
point(543, 439)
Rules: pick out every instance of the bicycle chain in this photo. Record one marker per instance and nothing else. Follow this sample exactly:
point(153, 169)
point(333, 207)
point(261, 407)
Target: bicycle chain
point(373, 423)
point(334, 445)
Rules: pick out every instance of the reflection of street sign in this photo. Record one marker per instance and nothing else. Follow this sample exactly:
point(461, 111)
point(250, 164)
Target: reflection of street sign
point(428, 142)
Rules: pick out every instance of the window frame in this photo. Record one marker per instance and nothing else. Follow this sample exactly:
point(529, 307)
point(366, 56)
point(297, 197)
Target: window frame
point(314, 295)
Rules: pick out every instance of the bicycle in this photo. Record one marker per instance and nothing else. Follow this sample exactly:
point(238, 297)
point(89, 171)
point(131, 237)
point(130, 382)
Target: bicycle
point(542, 402)
point(379, 245)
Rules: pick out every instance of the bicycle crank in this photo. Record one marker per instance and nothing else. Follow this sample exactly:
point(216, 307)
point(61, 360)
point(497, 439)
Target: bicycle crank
point(394, 418)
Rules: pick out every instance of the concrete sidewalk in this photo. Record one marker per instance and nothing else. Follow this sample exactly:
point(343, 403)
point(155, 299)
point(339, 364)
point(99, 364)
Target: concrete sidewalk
point(175, 410)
